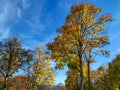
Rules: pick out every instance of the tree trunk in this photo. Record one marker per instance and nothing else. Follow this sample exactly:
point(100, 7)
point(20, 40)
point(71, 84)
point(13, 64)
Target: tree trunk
point(81, 80)
point(81, 68)
point(89, 86)
point(5, 84)
point(81, 72)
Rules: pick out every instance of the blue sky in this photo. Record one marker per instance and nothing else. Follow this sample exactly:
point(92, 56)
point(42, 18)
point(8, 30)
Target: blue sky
point(36, 21)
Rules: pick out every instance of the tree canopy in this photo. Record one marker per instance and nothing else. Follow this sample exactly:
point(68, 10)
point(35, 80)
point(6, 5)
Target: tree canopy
point(80, 38)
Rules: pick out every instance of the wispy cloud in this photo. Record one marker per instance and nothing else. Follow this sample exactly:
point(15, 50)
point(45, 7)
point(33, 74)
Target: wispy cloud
point(8, 16)
point(5, 19)
point(31, 15)
point(23, 14)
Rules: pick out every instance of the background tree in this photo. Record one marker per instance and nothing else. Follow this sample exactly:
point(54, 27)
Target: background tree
point(79, 38)
point(43, 74)
point(60, 86)
point(107, 77)
point(12, 57)
point(113, 74)
point(18, 83)
point(100, 79)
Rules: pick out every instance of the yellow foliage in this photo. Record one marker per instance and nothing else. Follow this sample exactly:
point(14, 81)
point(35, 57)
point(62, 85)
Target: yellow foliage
point(43, 73)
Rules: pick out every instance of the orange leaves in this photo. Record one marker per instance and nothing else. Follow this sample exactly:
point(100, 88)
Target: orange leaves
point(84, 8)
point(82, 13)
point(105, 18)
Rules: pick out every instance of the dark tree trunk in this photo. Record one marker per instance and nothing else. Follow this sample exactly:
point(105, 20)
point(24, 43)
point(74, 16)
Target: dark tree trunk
point(89, 85)
point(81, 81)
point(81, 70)
point(5, 84)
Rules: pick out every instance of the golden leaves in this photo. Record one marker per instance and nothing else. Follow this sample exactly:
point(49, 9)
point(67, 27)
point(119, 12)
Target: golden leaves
point(82, 32)
point(81, 12)
point(43, 73)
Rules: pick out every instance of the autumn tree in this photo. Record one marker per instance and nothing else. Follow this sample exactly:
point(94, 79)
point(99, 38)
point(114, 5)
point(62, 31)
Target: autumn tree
point(12, 58)
point(43, 73)
point(113, 74)
point(107, 77)
point(60, 86)
point(28, 70)
point(18, 83)
point(100, 78)
point(79, 38)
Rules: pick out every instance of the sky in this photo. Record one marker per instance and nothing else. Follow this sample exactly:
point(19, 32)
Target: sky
point(35, 22)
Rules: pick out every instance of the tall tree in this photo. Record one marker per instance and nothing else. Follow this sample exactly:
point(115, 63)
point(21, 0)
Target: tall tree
point(12, 57)
point(43, 73)
point(79, 37)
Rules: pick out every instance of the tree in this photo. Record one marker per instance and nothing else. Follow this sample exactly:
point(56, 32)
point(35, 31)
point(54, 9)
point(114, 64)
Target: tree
point(113, 74)
point(60, 86)
point(18, 83)
point(100, 79)
point(79, 38)
point(43, 74)
point(12, 58)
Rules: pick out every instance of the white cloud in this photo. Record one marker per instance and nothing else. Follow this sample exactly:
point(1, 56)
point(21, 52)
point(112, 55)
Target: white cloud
point(15, 12)
point(7, 17)
point(10, 13)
